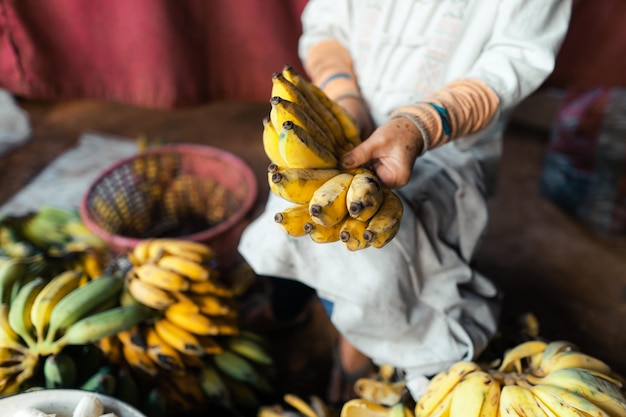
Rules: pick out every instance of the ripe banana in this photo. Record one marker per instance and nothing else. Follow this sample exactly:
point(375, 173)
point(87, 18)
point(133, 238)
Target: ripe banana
point(182, 340)
point(293, 218)
point(518, 401)
point(299, 149)
point(512, 360)
point(563, 402)
point(209, 287)
point(193, 322)
point(283, 88)
point(134, 338)
point(160, 277)
point(365, 195)
point(328, 203)
point(57, 288)
point(149, 295)
point(139, 360)
point(441, 385)
point(270, 143)
point(470, 393)
point(191, 270)
point(299, 404)
point(19, 312)
point(360, 407)
point(298, 185)
point(384, 225)
point(97, 326)
point(573, 359)
point(79, 302)
point(59, 371)
point(378, 392)
point(351, 234)
point(284, 110)
point(194, 251)
point(162, 353)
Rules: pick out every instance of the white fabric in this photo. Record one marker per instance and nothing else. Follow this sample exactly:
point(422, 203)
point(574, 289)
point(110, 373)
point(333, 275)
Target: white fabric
point(416, 303)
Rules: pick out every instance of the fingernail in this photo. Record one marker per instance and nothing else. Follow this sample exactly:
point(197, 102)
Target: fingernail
point(347, 161)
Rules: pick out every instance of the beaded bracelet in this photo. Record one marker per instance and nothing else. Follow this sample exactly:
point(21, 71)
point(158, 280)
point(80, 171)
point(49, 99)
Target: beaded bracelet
point(335, 76)
point(355, 96)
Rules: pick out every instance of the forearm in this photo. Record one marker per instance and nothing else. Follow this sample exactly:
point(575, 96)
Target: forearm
point(329, 66)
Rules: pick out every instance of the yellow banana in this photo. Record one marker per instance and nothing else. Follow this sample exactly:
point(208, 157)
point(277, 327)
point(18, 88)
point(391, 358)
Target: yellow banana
point(10, 356)
point(293, 218)
point(161, 277)
point(149, 295)
point(350, 129)
point(182, 340)
point(19, 312)
point(512, 360)
point(213, 305)
point(162, 353)
point(194, 251)
point(209, 345)
point(441, 385)
point(318, 106)
point(284, 110)
point(323, 234)
point(209, 287)
point(555, 347)
point(328, 203)
point(378, 392)
point(470, 393)
point(194, 271)
point(563, 402)
point(193, 322)
point(139, 360)
point(299, 404)
point(518, 401)
point(299, 149)
point(365, 195)
point(134, 338)
point(57, 288)
point(573, 359)
point(283, 88)
point(270, 143)
point(384, 225)
point(351, 234)
point(358, 407)
point(491, 404)
point(298, 185)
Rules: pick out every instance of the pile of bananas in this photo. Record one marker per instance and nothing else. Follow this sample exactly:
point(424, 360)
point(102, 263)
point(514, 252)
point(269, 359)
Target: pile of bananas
point(535, 378)
point(304, 137)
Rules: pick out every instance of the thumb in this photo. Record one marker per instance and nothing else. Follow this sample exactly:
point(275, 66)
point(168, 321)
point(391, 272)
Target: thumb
point(358, 156)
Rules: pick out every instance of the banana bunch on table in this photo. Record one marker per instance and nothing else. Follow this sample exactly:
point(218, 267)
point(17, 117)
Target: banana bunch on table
point(304, 137)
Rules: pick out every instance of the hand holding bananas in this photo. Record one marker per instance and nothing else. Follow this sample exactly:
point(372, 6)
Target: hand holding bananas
point(305, 136)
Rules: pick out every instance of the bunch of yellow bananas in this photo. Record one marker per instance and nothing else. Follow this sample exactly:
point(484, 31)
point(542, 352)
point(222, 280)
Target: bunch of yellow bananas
point(47, 315)
point(304, 137)
point(535, 378)
point(296, 406)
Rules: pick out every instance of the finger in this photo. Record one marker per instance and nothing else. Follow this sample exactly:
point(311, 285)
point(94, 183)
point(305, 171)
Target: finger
point(356, 157)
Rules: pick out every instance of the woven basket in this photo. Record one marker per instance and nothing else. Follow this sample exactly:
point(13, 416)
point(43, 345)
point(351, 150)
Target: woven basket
point(192, 192)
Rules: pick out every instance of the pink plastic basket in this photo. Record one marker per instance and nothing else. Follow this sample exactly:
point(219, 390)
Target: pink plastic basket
point(186, 191)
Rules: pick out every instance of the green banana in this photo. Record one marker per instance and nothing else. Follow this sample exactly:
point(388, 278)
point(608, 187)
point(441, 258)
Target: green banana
point(250, 349)
point(59, 371)
point(19, 312)
point(78, 303)
point(101, 382)
point(107, 323)
point(11, 270)
point(126, 388)
point(236, 366)
point(213, 385)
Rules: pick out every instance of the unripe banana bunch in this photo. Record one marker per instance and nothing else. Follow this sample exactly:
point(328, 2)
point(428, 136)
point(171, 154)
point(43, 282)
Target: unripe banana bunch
point(534, 378)
point(304, 137)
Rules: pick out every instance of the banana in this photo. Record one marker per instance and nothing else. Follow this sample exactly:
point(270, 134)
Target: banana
point(298, 185)
point(162, 353)
point(97, 326)
point(243, 395)
point(194, 271)
point(236, 367)
point(8, 338)
point(351, 234)
point(59, 371)
point(149, 295)
point(126, 388)
point(57, 288)
point(209, 287)
point(101, 382)
point(139, 360)
point(378, 392)
point(384, 225)
point(193, 251)
point(572, 359)
point(293, 218)
point(270, 143)
point(284, 110)
point(441, 385)
point(565, 403)
point(470, 393)
point(182, 340)
point(299, 149)
point(554, 347)
point(491, 404)
point(328, 203)
point(250, 349)
point(319, 104)
point(518, 401)
point(209, 345)
point(161, 277)
point(358, 407)
point(323, 234)
point(512, 360)
point(19, 312)
point(299, 404)
point(11, 270)
point(79, 302)
point(193, 322)
point(596, 388)
point(10, 356)
point(365, 195)
point(133, 337)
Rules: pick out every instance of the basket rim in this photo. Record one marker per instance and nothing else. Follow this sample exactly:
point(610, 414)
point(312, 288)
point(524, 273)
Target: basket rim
point(120, 241)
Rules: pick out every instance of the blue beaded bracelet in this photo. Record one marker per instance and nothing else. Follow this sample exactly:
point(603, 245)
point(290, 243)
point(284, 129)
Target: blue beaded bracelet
point(445, 117)
point(335, 76)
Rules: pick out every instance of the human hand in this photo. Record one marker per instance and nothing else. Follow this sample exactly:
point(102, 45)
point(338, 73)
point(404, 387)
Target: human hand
point(391, 151)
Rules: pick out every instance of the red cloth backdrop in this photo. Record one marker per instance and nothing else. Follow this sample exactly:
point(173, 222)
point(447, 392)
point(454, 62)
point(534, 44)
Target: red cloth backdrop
point(156, 53)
